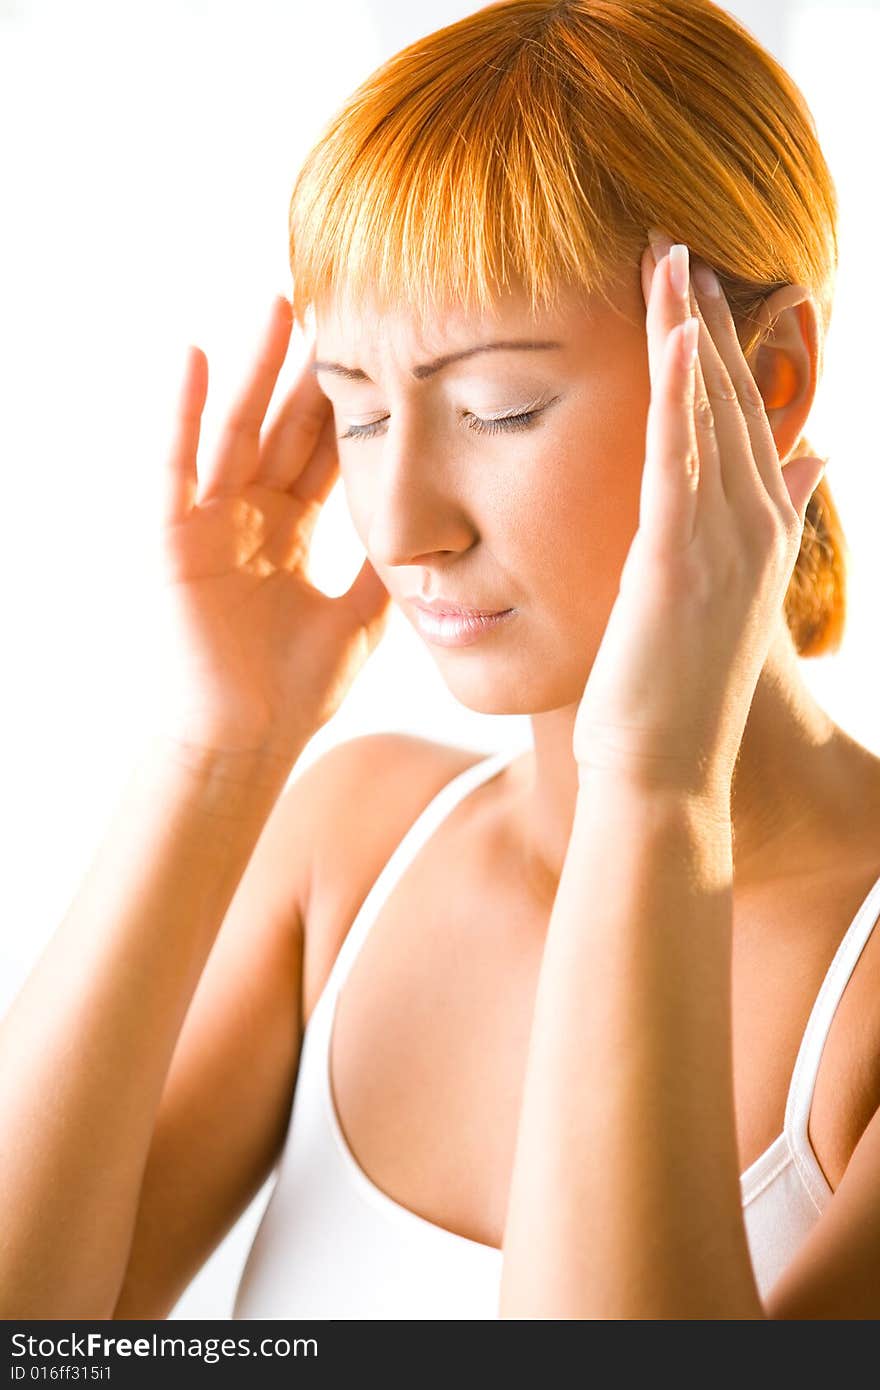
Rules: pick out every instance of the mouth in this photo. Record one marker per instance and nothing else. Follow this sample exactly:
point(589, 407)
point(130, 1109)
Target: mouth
point(457, 627)
point(447, 609)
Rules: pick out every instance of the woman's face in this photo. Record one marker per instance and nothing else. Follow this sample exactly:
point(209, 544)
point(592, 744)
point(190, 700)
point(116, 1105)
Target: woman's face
point(536, 519)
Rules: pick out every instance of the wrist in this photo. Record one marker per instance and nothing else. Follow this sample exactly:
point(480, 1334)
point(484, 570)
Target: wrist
point(207, 744)
point(237, 773)
point(669, 778)
point(705, 799)
point(624, 827)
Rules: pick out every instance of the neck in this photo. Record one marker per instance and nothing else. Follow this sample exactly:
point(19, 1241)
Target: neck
point(799, 780)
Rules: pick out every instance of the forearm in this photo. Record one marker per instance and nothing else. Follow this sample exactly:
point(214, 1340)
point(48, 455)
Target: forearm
point(87, 1044)
point(625, 1195)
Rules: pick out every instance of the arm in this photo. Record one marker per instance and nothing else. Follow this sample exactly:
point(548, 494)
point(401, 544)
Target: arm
point(86, 1046)
point(226, 1105)
point(625, 1198)
point(253, 657)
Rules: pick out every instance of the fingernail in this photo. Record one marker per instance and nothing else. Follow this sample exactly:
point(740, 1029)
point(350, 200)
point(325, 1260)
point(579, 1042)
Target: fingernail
point(706, 280)
point(678, 269)
point(690, 340)
point(660, 242)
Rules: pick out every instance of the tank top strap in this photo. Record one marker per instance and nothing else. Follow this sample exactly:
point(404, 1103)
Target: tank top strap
point(419, 832)
point(806, 1067)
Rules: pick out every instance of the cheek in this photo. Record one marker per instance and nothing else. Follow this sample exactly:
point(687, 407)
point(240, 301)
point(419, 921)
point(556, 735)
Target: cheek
point(583, 504)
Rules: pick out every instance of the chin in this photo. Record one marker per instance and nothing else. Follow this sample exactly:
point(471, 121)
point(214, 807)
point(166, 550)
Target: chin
point(490, 688)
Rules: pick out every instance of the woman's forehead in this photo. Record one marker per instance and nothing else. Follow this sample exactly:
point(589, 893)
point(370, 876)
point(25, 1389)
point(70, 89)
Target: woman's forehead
point(407, 338)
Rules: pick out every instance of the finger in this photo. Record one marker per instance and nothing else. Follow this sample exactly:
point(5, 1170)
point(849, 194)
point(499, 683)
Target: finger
point(316, 481)
point(712, 494)
point(740, 477)
point(669, 306)
point(369, 604)
point(671, 476)
point(291, 439)
point(648, 268)
point(658, 318)
point(181, 473)
point(312, 488)
point(739, 407)
point(802, 475)
point(238, 452)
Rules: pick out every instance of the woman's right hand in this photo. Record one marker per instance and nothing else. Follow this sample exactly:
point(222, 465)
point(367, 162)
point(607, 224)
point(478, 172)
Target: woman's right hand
point(254, 657)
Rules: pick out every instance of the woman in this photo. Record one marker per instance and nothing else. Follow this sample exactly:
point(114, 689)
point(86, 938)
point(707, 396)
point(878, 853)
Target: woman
point(579, 1067)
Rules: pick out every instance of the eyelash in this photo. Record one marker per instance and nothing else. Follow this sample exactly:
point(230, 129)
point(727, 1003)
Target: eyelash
point(501, 424)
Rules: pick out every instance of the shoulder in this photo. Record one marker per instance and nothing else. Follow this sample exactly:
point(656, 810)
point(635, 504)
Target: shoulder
point(358, 799)
point(358, 793)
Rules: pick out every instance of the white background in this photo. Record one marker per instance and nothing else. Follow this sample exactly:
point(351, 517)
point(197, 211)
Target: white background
point(147, 159)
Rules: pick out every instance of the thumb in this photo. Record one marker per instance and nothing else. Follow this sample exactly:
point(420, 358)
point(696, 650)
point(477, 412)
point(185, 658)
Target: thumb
point(369, 603)
point(802, 476)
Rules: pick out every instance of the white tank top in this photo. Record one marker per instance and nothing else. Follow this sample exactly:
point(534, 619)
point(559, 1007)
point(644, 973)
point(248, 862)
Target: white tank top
point(331, 1244)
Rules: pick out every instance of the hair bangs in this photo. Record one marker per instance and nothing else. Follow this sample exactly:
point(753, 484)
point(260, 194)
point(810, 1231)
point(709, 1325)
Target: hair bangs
point(449, 190)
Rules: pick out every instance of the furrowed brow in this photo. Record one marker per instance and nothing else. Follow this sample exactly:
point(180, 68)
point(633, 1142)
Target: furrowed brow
point(427, 369)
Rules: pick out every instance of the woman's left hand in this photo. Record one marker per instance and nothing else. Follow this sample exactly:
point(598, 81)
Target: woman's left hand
point(720, 525)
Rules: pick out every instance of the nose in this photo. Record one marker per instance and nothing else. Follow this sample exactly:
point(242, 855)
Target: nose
point(416, 507)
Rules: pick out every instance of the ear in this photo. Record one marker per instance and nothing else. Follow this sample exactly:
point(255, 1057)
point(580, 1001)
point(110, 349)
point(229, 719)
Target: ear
point(785, 366)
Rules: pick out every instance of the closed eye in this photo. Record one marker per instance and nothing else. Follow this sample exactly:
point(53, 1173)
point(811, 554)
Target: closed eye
point(521, 420)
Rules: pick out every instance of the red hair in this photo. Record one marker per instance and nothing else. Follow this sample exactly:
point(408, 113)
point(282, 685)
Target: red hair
point(534, 141)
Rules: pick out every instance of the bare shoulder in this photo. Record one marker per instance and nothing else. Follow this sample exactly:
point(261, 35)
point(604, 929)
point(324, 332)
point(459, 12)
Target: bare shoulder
point(372, 785)
point(357, 800)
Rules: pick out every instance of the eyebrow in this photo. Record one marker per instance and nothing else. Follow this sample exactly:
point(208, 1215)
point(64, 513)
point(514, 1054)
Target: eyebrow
point(427, 369)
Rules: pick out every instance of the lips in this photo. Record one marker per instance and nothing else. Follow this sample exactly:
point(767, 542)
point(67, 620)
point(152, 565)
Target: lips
point(459, 629)
point(441, 608)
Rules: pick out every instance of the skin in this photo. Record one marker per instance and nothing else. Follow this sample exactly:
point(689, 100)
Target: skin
point(542, 520)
